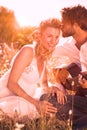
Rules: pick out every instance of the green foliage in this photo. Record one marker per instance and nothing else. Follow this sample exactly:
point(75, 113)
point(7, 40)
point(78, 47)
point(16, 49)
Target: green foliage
point(12, 37)
point(24, 36)
point(11, 32)
point(4, 59)
point(8, 25)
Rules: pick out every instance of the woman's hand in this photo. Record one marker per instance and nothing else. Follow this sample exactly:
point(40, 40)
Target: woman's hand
point(61, 95)
point(46, 108)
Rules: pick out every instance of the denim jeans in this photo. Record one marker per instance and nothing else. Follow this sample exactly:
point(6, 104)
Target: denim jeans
point(77, 104)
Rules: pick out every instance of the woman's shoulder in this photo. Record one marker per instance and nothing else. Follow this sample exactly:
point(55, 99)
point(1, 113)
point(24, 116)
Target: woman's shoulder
point(28, 46)
point(25, 51)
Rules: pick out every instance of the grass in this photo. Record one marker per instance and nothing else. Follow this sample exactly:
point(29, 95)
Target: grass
point(24, 123)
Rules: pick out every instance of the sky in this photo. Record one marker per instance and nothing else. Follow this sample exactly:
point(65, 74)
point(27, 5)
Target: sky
point(32, 12)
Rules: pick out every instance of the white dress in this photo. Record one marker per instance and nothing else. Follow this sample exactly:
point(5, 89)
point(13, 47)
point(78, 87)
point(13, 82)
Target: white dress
point(30, 81)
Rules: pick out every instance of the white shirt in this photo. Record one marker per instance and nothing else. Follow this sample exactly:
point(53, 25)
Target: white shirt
point(67, 47)
point(83, 56)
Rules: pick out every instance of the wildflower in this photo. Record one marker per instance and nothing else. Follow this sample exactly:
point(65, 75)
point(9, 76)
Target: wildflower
point(19, 126)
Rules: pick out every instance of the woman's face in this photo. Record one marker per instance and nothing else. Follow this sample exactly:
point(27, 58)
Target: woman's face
point(50, 38)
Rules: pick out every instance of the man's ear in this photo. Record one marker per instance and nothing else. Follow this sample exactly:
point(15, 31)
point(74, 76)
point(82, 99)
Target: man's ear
point(76, 26)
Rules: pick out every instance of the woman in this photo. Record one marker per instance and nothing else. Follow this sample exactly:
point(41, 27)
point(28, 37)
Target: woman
point(27, 79)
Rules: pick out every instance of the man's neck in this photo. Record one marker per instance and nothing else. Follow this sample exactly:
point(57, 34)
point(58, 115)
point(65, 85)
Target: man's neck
point(81, 38)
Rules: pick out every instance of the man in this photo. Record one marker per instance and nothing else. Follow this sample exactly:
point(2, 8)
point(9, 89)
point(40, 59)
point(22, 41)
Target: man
point(74, 23)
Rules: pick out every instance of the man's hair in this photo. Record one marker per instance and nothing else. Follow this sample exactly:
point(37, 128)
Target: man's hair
point(76, 14)
point(52, 22)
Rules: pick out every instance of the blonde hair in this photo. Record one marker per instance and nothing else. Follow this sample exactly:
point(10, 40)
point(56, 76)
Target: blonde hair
point(40, 50)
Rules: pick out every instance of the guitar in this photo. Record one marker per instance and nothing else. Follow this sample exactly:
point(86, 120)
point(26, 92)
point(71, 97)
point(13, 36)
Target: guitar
point(72, 79)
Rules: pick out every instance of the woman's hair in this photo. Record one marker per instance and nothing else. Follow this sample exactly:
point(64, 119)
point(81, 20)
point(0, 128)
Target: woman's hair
point(76, 14)
point(55, 23)
point(52, 22)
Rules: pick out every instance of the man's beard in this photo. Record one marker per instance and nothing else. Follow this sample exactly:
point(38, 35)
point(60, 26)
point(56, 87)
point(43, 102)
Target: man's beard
point(65, 34)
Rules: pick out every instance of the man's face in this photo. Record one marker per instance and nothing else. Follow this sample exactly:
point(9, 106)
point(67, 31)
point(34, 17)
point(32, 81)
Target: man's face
point(67, 28)
point(50, 37)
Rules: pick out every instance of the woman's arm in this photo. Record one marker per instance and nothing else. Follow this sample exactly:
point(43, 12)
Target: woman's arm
point(23, 59)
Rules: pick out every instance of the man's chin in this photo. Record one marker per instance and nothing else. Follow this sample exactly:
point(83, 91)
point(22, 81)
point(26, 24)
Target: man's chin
point(65, 35)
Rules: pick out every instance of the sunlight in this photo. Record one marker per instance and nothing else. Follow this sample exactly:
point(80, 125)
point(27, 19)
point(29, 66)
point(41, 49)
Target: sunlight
point(22, 20)
point(31, 12)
